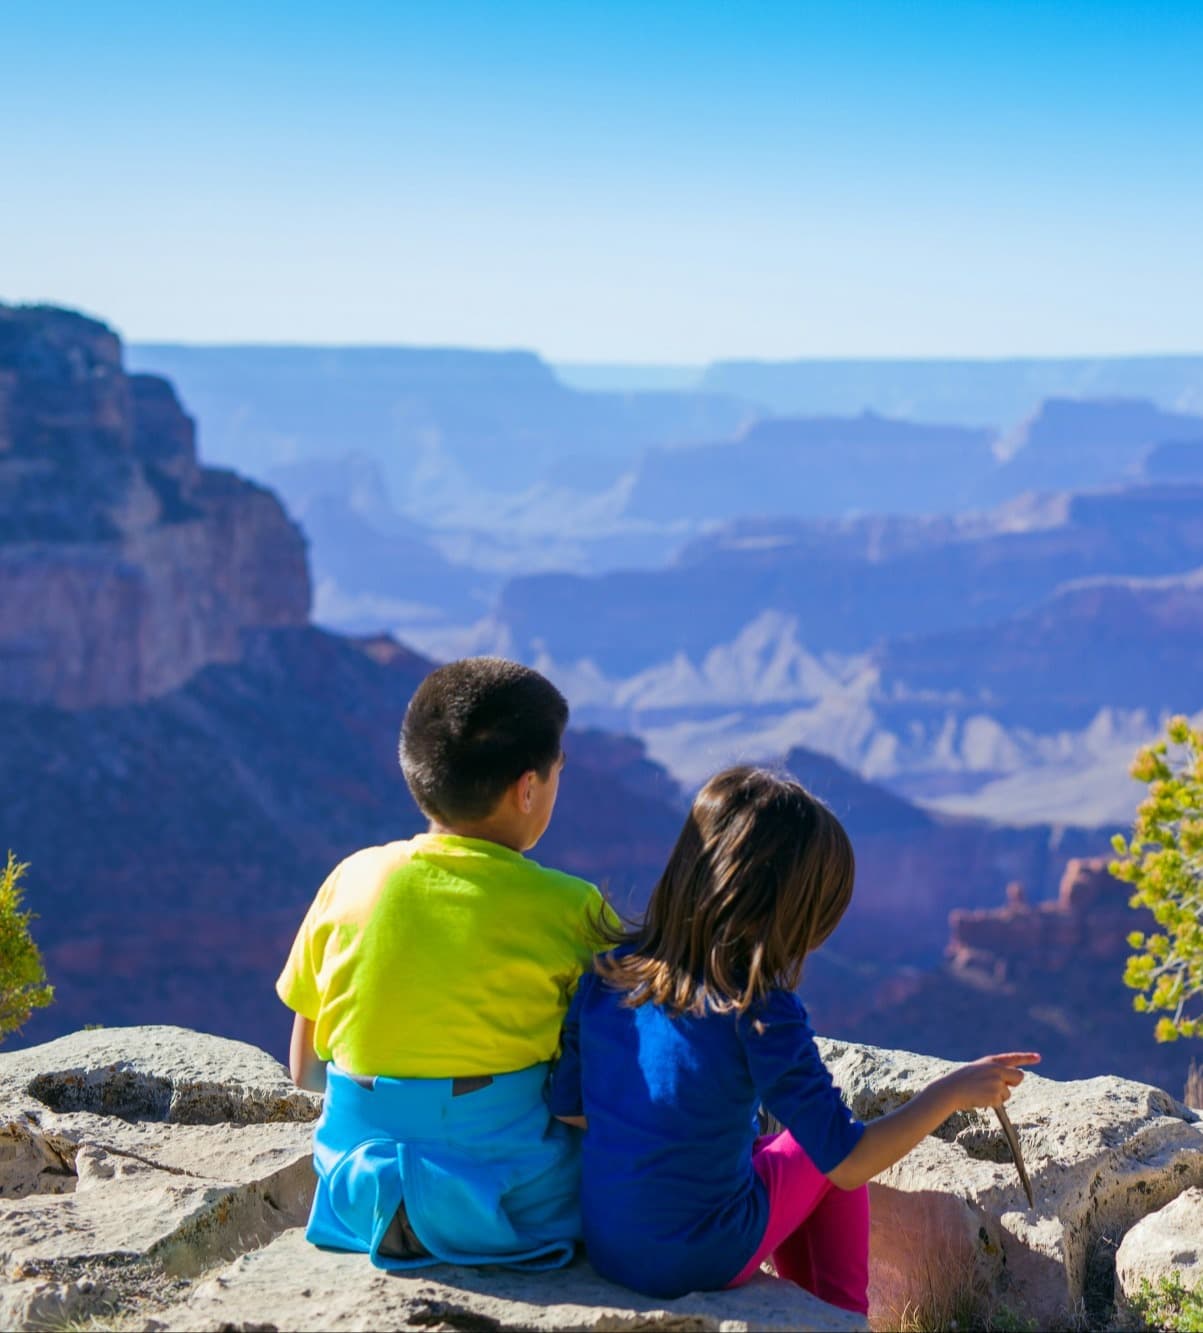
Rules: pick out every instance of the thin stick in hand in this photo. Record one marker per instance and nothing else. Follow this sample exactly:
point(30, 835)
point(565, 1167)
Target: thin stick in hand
point(1013, 1142)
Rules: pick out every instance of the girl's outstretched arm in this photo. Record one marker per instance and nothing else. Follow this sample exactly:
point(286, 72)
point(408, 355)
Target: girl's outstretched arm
point(308, 1072)
point(986, 1082)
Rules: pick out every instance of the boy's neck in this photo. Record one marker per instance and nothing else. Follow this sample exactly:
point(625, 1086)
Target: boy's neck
point(493, 829)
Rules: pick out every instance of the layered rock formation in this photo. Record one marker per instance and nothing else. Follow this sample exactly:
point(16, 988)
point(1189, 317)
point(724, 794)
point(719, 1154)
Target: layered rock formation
point(1073, 443)
point(1044, 976)
point(853, 585)
point(125, 567)
point(1088, 920)
point(1106, 642)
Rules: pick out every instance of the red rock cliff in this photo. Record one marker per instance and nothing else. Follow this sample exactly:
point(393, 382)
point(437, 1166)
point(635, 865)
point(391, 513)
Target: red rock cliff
point(125, 566)
point(1089, 919)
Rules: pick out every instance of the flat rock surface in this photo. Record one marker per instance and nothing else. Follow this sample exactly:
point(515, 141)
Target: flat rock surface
point(155, 1149)
point(154, 1073)
point(1166, 1244)
point(952, 1229)
point(289, 1284)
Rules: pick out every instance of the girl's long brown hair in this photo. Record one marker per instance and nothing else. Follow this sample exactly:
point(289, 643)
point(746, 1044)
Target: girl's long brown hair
point(761, 874)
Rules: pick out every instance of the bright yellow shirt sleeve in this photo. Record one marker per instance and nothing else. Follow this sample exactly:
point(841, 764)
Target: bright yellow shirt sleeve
point(297, 984)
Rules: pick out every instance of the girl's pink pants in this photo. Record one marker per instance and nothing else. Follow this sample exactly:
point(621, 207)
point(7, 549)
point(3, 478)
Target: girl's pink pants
point(817, 1234)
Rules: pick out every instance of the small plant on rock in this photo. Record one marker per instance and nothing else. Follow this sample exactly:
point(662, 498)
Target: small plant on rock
point(1169, 1305)
point(1163, 862)
point(23, 985)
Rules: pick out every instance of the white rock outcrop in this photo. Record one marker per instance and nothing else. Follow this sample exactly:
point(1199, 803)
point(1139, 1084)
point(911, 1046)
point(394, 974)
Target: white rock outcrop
point(137, 1163)
point(1167, 1243)
point(952, 1232)
point(164, 1176)
point(140, 1154)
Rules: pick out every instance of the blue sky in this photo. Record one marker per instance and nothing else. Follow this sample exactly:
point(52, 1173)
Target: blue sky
point(612, 181)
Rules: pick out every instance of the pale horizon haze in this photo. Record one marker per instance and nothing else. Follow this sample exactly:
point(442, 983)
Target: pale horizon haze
point(669, 184)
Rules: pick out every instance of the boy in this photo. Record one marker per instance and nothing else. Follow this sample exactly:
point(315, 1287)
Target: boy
point(433, 975)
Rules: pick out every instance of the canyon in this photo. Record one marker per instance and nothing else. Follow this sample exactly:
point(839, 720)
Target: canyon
point(182, 775)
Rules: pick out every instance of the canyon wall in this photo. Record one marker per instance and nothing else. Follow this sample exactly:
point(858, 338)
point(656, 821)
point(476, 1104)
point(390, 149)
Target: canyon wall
point(125, 566)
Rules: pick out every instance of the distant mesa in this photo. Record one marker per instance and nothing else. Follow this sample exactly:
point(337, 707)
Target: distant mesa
point(125, 567)
point(445, 424)
point(1075, 444)
point(1175, 460)
point(817, 466)
point(985, 392)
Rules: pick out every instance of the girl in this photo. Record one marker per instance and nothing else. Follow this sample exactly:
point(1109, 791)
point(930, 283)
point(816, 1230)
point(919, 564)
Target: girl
point(682, 1031)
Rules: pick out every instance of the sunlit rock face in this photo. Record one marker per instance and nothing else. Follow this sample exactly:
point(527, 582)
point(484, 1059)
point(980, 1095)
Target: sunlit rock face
point(125, 566)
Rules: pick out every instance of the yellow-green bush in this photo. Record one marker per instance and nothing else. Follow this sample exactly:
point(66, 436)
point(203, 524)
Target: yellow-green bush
point(1163, 862)
point(23, 985)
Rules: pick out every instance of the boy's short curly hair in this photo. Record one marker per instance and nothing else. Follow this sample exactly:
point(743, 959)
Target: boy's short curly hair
point(472, 729)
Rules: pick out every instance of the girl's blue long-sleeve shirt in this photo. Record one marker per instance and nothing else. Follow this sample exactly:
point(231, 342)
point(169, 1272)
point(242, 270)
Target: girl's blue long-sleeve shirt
point(670, 1200)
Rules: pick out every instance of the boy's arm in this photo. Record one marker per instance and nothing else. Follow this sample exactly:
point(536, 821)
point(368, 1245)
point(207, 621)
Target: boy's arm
point(564, 1099)
point(308, 1072)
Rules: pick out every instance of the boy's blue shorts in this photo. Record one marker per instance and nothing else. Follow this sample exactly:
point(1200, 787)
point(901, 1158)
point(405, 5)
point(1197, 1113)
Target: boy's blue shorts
point(485, 1173)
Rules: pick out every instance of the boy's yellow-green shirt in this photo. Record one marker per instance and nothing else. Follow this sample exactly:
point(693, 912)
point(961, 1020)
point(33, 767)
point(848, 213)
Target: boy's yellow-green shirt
point(440, 956)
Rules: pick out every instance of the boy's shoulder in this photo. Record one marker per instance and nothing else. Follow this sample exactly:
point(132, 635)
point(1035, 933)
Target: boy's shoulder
point(382, 857)
point(363, 868)
point(367, 865)
point(560, 880)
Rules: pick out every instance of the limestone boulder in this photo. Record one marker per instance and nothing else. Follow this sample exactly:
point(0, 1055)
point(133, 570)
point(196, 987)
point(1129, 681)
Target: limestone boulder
point(1166, 1244)
point(150, 1151)
point(154, 1074)
point(289, 1284)
point(952, 1231)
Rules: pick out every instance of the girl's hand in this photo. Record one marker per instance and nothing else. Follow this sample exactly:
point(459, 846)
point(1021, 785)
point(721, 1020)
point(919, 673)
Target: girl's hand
point(985, 1082)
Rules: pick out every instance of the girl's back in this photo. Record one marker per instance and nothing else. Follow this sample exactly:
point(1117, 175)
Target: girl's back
point(680, 1033)
point(670, 1199)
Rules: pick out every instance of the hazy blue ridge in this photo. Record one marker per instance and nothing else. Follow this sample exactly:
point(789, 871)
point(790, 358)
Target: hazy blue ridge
point(975, 392)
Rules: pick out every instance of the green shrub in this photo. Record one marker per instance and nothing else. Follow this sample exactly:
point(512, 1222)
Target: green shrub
point(23, 985)
point(1163, 862)
point(1169, 1305)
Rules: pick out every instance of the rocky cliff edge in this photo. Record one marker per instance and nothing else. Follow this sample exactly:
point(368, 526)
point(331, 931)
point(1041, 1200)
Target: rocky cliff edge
point(155, 1178)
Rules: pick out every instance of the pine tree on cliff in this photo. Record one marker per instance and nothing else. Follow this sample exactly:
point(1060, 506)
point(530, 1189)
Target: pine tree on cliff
point(23, 985)
point(1163, 861)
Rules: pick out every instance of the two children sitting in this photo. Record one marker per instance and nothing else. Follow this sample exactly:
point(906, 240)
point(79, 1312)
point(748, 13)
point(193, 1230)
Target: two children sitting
point(434, 981)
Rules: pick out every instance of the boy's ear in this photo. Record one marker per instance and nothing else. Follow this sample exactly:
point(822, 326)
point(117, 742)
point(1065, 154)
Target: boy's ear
point(526, 792)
